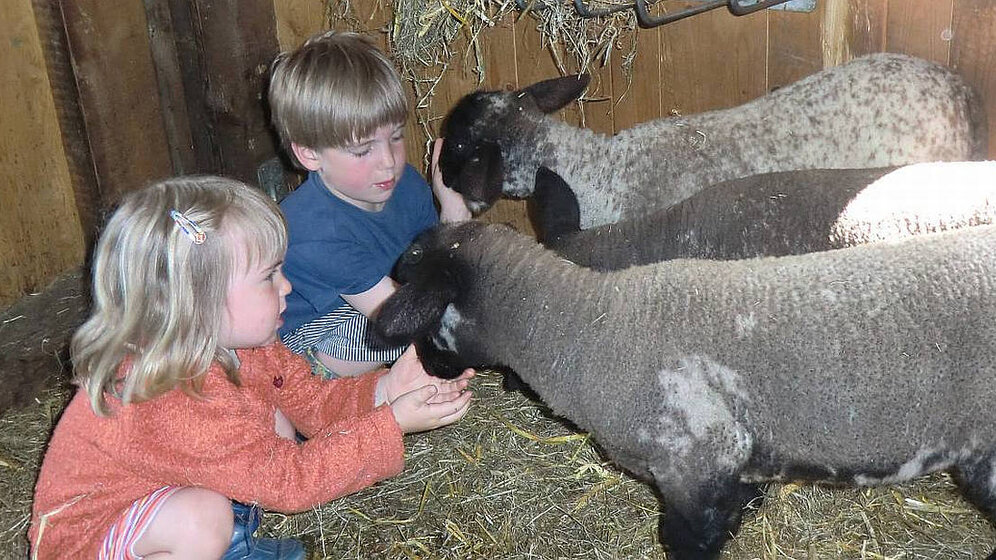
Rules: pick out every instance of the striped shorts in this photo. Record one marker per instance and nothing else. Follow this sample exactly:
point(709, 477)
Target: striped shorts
point(131, 525)
point(343, 334)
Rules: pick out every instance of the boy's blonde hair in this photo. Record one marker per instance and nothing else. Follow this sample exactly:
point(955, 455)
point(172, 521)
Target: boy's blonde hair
point(159, 298)
point(334, 90)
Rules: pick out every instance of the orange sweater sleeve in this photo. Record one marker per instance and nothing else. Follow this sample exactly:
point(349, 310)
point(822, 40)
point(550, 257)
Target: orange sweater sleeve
point(226, 439)
point(309, 402)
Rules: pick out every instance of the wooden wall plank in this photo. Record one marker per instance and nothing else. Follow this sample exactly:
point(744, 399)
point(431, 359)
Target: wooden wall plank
point(62, 79)
point(597, 107)
point(868, 26)
point(705, 73)
point(920, 28)
point(535, 61)
point(498, 51)
point(236, 40)
point(40, 233)
point(795, 45)
point(637, 93)
point(973, 53)
point(296, 20)
point(119, 93)
point(169, 77)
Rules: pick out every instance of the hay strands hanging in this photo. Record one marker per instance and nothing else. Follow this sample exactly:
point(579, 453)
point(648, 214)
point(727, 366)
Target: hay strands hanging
point(644, 17)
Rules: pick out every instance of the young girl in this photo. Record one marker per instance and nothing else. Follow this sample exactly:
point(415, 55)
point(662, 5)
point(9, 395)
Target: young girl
point(188, 401)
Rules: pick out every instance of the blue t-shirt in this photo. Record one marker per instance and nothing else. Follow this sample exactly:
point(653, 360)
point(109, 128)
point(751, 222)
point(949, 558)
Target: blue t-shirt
point(335, 248)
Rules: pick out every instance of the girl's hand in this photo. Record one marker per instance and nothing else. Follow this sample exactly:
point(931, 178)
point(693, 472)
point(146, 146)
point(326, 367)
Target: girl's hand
point(452, 207)
point(407, 374)
point(427, 408)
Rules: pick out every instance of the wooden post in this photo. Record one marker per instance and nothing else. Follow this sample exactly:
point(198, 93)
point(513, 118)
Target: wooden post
point(225, 48)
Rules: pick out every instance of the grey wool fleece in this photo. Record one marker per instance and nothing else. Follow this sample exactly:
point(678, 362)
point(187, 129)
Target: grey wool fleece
point(875, 111)
point(854, 365)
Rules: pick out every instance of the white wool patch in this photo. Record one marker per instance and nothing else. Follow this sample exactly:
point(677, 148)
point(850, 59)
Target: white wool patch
point(745, 324)
point(920, 198)
point(451, 320)
point(917, 466)
point(476, 207)
point(698, 396)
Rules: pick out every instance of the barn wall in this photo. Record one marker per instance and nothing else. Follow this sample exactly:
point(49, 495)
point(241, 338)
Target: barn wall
point(141, 101)
point(40, 232)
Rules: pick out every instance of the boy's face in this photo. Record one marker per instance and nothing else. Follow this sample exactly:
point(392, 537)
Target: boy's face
point(256, 298)
point(363, 174)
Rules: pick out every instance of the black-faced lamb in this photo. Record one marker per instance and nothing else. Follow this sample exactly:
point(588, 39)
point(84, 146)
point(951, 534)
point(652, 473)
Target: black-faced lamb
point(774, 214)
point(865, 365)
point(875, 111)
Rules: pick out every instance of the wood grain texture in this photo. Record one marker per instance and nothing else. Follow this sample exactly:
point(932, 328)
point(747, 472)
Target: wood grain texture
point(119, 93)
point(714, 60)
point(40, 232)
point(868, 25)
point(296, 20)
point(72, 127)
point(973, 53)
point(795, 45)
point(920, 28)
point(637, 93)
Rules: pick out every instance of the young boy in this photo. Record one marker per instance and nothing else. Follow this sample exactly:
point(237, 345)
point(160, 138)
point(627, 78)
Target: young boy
point(340, 108)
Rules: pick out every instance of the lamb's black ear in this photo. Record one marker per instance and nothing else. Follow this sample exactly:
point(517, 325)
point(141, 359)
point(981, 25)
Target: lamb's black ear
point(481, 177)
point(554, 206)
point(553, 95)
point(412, 311)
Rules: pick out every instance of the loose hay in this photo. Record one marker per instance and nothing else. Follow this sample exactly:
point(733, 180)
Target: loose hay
point(422, 35)
point(510, 482)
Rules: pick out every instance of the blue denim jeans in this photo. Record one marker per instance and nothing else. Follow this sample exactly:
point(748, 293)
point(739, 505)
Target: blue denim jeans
point(246, 546)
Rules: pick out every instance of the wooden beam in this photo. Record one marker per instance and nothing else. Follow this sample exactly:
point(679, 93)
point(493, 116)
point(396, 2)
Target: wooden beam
point(225, 48)
point(75, 144)
point(118, 92)
point(169, 79)
point(40, 233)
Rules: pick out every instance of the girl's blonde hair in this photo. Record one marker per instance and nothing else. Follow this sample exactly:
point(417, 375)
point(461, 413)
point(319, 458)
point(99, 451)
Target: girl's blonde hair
point(334, 90)
point(158, 297)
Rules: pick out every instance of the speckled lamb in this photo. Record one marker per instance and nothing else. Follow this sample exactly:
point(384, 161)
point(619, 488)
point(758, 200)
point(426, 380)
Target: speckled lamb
point(875, 111)
point(774, 214)
point(866, 365)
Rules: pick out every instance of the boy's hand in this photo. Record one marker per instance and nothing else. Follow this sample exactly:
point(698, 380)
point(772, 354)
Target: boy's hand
point(407, 374)
point(452, 207)
point(427, 408)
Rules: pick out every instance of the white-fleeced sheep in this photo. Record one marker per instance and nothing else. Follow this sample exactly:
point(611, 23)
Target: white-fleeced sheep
point(774, 214)
point(875, 111)
point(865, 365)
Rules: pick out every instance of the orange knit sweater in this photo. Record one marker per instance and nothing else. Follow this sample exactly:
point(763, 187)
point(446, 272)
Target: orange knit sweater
point(96, 467)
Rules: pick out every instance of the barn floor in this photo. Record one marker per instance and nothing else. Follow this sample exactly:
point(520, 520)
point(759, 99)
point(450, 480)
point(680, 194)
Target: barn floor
point(507, 482)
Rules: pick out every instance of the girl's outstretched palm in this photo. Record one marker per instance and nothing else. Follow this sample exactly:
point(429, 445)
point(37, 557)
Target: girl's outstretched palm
point(407, 374)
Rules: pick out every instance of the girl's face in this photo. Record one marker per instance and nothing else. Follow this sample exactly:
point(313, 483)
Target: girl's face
point(256, 298)
point(363, 174)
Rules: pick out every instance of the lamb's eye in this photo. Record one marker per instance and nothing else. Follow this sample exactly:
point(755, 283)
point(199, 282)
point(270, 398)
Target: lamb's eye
point(414, 254)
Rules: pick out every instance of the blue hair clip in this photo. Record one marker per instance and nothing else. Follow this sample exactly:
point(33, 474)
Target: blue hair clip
point(188, 227)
